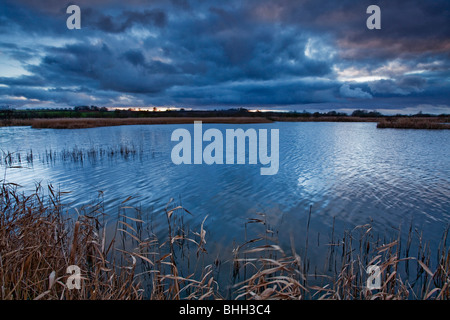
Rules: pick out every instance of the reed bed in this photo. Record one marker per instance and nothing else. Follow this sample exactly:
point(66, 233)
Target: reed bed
point(75, 154)
point(414, 123)
point(37, 246)
point(39, 239)
point(82, 123)
point(324, 118)
point(277, 274)
point(400, 122)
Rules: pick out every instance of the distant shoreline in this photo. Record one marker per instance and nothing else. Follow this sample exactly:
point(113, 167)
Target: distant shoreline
point(73, 119)
point(81, 123)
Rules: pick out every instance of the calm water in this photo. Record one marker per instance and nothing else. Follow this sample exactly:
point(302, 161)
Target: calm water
point(352, 172)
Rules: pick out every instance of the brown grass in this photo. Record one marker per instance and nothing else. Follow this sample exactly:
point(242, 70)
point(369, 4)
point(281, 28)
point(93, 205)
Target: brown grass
point(414, 123)
point(79, 123)
point(37, 244)
point(324, 119)
point(38, 241)
point(75, 155)
point(275, 274)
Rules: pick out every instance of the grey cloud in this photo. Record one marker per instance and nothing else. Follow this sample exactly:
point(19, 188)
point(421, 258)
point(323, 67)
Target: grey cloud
point(135, 57)
point(226, 52)
point(346, 91)
point(123, 21)
point(403, 86)
point(257, 93)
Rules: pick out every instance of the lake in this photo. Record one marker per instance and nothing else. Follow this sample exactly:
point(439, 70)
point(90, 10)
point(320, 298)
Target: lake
point(347, 174)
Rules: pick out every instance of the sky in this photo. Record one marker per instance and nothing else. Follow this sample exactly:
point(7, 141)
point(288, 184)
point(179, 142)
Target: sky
point(313, 55)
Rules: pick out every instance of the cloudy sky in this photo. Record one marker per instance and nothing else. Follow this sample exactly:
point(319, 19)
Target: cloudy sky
point(286, 54)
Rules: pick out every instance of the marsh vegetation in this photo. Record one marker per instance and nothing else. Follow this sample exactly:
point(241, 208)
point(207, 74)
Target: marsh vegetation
point(39, 239)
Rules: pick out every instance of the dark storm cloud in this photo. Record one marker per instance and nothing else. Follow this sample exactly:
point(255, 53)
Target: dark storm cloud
point(257, 93)
point(124, 21)
point(135, 57)
point(403, 86)
point(100, 67)
point(207, 53)
point(21, 53)
point(408, 27)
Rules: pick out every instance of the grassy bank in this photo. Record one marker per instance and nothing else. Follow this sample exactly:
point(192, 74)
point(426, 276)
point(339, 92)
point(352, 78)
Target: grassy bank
point(324, 119)
point(74, 155)
point(79, 123)
point(89, 117)
point(415, 123)
point(39, 240)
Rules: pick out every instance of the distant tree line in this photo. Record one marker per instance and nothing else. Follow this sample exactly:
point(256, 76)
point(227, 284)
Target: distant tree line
point(365, 113)
point(7, 113)
point(89, 108)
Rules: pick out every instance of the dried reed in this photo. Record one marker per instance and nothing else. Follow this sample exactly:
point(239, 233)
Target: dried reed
point(39, 239)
